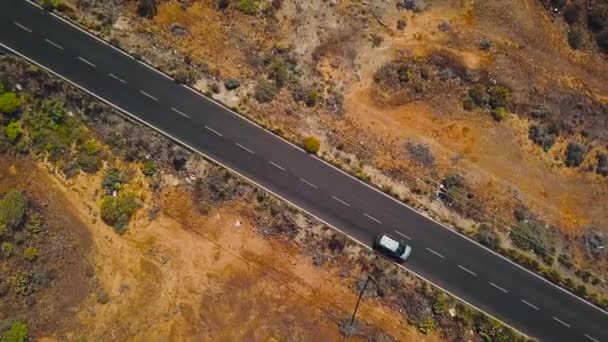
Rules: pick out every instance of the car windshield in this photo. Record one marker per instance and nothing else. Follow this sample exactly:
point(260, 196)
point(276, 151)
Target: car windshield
point(401, 249)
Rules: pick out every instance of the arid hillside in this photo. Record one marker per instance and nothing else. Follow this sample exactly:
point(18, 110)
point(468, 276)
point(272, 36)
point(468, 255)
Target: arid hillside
point(490, 116)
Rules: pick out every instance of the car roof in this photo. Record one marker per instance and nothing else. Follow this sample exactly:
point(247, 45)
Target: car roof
point(389, 243)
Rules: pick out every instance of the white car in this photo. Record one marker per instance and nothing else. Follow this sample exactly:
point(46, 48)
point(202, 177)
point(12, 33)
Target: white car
point(392, 247)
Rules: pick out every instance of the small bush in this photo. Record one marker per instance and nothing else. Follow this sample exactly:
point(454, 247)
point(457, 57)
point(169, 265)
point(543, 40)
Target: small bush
point(572, 13)
point(597, 19)
point(311, 145)
point(34, 224)
point(479, 95)
point(112, 181)
point(12, 209)
point(30, 253)
point(9, 103)
point(575, 154)
point(541, 137)
point(222, 4)
point(265, 92)
point(499, 97)
point(8, 249)
point(50, 4)
point(149, 168)
point(279, 71)
point(249, 7)
point(18, 332)
point(468, 104)
point(499, 113)
point(147, 8)
point(576, 38)
point(312, 98)
point(487, 236)
point(13, 131)
point(602, 164)
point(602, 41)
point(117, 211)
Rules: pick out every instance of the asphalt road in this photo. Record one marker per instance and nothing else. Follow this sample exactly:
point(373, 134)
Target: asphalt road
point(449, 260)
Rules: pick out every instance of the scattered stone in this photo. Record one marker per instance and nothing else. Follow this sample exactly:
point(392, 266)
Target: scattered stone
point(319, 260)
point(231, 84)
point(485, 44)
point(178, 29)
point(444, 26)
point(414, 5)
point(595, 242)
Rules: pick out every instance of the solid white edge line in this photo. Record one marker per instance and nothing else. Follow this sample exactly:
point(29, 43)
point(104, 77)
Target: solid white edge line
point(560, 321)
point(148, 95)
point(530, 305)
point(277, 166)
point(405, 236)
point(372, 218)
point(342, 171)
point(22, 27)
point(242, 117)
point(467, 270)
point(341, 201)
point(87, 62)
point(155, 70)
point(245, 148)
point(35, 4)
point(180, 113)
point(53, 43)
point(213, 131)
point(435, 252)
point(134, 117)
point(499, 288)
point(592, 338)
point(308, 183)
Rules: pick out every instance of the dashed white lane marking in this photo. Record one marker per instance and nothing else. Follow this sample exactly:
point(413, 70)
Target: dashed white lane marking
point(372, 218)
point(245, 148)
point(213, 131)
point(277, 166)
point(467, 270)
point(118, 78)
point(148, 95)
point(308, 183)
point(54, 44)
point(435, 252)
point(499, 288)
point(341, 201)
point(180, 113)
point(87, 62)
point(530, 304)
point(592, 338)
point(22, 27)
point(561, 322)
point(400, 233)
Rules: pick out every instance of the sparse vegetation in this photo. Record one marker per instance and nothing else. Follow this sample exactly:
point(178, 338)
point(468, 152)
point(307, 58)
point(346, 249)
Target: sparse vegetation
point(265, 91)
point(149, 168)
point(575, 154)
point(250, 7)
point(12, 211)
point(499, 97)
point(576, 38)
point(147, 8)
point(30, 253)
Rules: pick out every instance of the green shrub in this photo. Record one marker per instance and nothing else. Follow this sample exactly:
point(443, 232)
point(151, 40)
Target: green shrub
point(30, 253)
point(597, 19)
point(576, 38)
point(89, 156)
point(250, 7)
point(149, 168)
point(9, 103)
point(427, 325)
point(13, 131)
point(50, 4)
point(278, 71)
point(34, 224)
point(487, 236)
point(499, 97)
point(468, 104)
point(8, 249)
point(112, 181)
point(312, 98)
point(117, 211)
point(499, 113)
point(311, 145)
point(12, 209)
point(18, 332)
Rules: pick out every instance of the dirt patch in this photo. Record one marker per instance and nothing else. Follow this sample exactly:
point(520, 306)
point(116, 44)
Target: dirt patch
point(46, 292)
